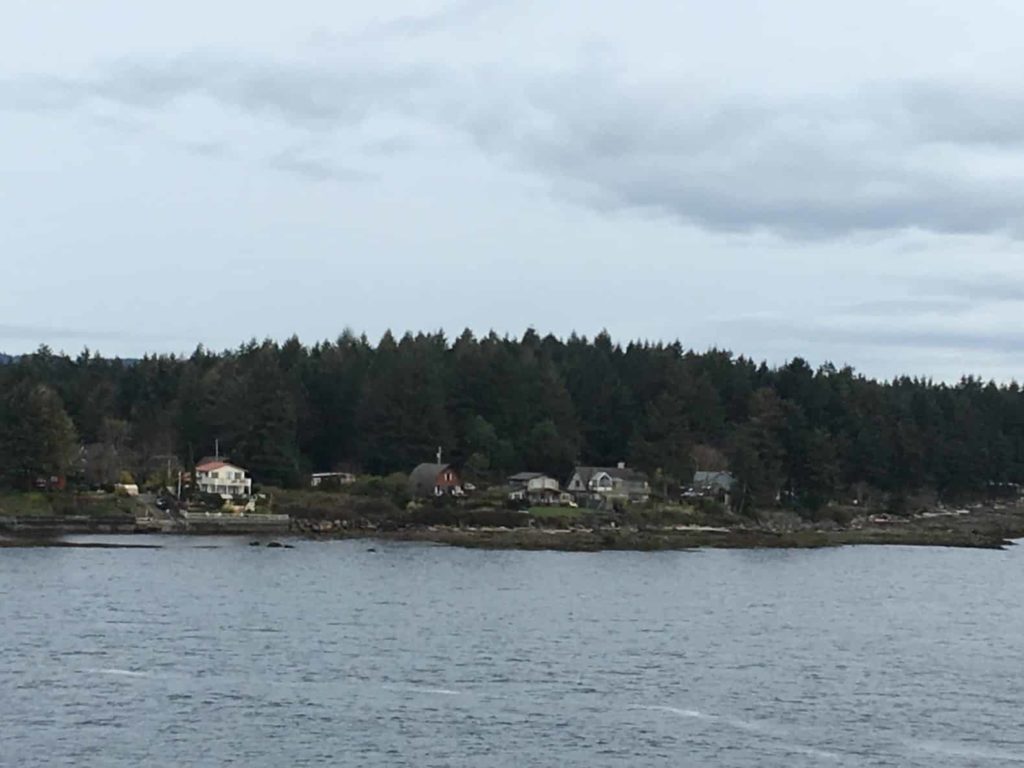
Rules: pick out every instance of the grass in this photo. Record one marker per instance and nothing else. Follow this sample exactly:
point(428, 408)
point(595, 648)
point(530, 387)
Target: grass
point(42, 504)
point(555, 513)
point(29, 504)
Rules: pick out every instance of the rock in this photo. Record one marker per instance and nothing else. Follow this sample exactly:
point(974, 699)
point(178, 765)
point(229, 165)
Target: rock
point(275, 544)
point(254, 543)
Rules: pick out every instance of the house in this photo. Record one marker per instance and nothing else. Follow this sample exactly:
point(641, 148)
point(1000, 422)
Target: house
point(534, 487)
point(716, 485)
point(612, 483)
point(126, 489)
point(215, 474)
point(51, 483)
point(435, 480)
point(332, 479)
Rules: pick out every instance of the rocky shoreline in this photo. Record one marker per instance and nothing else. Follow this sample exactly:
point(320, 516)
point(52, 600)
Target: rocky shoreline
point(982, 529)
point(993, 527)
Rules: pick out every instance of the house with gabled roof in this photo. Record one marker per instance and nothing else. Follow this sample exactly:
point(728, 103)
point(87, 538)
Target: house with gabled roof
point(613, 483)
point(716, 485)
point(216, 474)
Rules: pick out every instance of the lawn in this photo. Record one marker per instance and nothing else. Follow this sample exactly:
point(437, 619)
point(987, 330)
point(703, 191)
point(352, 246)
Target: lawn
point(25, 504)
point(555, 513)
point(40, 504)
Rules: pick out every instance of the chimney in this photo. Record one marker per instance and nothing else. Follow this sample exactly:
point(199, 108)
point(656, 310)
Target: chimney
point(622, 465)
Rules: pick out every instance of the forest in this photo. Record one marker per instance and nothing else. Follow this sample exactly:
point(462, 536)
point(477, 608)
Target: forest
point(496, 405)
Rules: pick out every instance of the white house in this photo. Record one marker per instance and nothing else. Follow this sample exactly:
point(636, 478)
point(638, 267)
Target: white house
point(331, 478)
point(215, 475)
point(534, 487)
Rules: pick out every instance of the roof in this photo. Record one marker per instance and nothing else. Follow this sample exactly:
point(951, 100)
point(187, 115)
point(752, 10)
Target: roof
point(424, 477)
point(209, 464)
point(620, 473)
point(523, 477)
point(721, 479)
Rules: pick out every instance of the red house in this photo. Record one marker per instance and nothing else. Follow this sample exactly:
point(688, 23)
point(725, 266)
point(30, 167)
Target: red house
point(435, 480)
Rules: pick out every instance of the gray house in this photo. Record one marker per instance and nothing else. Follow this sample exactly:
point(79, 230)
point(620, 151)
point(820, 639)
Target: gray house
point(613, 483)
point(716, 485)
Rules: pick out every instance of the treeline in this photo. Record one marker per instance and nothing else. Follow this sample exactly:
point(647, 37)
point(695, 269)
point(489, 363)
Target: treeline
point(498, 405)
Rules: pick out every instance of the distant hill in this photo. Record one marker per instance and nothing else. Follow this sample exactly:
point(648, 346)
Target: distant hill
point(6, 359)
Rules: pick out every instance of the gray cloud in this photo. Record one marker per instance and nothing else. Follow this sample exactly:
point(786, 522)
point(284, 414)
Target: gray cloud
point(939, 157)
point(940, 112)
point(19, 332)
point(295, 162)
point(890, 337)
point(990, 288)
point(302, 94)
point(35, 93)
point(454, 15)
point(908, 306)
point(392, 145)
point(818, 167)
point(206, 148)
point(307, 95)
point(1006, 341)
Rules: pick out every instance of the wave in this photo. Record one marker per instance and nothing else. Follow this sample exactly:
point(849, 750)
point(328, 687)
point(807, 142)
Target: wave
point(803, 749)
point(692, 713)
point(419, 689)
point(969, 751)
point(120, 672)
point(777, 738)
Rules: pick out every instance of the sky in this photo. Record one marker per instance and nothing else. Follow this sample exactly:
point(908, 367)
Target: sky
point(840, 182)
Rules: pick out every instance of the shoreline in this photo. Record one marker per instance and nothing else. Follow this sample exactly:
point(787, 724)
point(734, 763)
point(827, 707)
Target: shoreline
point(981, 525)
point(986, 529)
point(652, 541)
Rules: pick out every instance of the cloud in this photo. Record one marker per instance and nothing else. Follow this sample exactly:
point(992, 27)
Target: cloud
point(453, 16)
point(294, 162)
point(391, 145)
point(1001, 341)
point(834, 334)
point(310, 95)
point(302, 94)
point(206, 148)
point(941, 157)
point(987, 288)
point(908, 306)
point(876, 161)
point(35, 332)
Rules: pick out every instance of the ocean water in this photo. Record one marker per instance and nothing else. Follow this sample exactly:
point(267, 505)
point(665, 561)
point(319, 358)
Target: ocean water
point(208, 652)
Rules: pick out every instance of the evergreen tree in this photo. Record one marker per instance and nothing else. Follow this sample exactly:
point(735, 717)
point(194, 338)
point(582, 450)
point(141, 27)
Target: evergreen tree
point(37, 437)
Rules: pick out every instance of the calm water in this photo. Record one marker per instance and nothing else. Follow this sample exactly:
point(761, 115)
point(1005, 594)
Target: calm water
point(328, 654)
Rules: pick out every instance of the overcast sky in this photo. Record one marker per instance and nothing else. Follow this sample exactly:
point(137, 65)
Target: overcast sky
point(843, 182)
